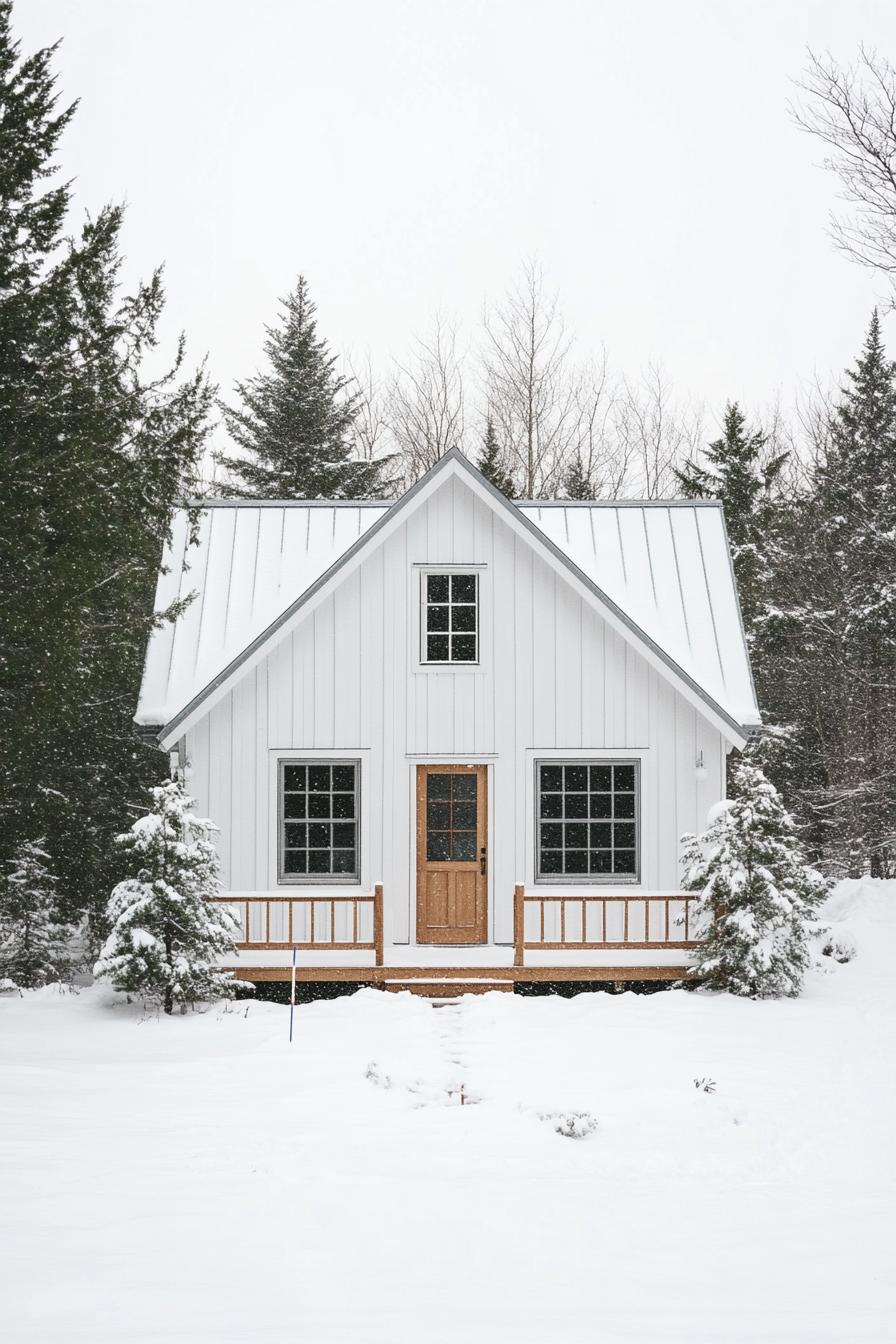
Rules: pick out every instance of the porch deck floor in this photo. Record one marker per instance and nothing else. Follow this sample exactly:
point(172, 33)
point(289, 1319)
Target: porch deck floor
point(491, 955)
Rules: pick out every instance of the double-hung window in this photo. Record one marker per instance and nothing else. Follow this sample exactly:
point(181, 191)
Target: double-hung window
point(450, 618)
point(587, 822)
point(319, 821)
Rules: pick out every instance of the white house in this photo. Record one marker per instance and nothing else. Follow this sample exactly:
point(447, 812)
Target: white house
point(451, 737)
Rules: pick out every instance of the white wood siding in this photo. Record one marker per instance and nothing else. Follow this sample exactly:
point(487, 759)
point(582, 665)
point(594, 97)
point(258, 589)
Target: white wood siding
point(554, 678)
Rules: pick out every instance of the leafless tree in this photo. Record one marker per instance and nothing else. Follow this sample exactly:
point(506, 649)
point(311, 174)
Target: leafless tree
point(653, 435)
point(425, 405)
point(852, 110)
point(372, 431)
point(531, 386)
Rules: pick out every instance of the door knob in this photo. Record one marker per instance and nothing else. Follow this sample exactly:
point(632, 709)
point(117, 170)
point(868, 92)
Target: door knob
point(482, 860)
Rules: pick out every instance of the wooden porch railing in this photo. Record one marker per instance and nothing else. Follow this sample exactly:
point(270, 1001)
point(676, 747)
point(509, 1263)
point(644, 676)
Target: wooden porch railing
point(309, 922)
point(569, 920)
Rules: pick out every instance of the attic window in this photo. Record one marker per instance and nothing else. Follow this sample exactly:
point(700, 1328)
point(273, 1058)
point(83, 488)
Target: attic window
point(450, 618)
point(588, 821)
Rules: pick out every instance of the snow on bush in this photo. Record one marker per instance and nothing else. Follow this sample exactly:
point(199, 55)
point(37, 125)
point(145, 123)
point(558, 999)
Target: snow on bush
point(758, 896)
point(33, 940)
point(167, 933)
point(571, 1124)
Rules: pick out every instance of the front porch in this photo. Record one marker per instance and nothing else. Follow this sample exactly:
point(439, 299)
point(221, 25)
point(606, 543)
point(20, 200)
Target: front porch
point(620, 937)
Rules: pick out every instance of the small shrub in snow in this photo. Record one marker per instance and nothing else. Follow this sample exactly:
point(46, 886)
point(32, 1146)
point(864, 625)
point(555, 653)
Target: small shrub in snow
point(33, 940)
point(705, 1085)
point(167, 934)
point(571, 1124)
point(758, 896)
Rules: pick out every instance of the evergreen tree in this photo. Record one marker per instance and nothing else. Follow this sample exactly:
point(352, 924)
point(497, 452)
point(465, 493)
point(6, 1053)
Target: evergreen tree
point(34, 943)
point(830, 634)
point(94, 455)
point(740, 471)
point(167, 932)
point(491, 461)
point(758, 897)
point(577, 483)
point(295, 420)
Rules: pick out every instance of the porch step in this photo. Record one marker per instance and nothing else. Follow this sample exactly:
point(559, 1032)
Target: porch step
point(448, 989)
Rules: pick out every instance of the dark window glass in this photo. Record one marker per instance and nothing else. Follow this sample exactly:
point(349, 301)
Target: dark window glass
point(463, 786)
point(463, 648)
point(463, 846)
point(587, 820)
point(438, 846)
point(326, 844)
point(450, 618)
point(438, 786)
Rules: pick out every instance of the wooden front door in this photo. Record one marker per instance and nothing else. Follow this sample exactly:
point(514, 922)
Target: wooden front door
point(452, 859)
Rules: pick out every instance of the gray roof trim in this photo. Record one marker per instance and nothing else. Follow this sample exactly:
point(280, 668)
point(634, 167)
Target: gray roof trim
point(455, 455)
point(287, 503)
point(217, 503)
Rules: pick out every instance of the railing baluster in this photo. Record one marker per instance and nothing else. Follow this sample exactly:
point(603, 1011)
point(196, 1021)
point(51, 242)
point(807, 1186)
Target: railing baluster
point(687, 911)
point(542, 921)
point(667, 919)
point(584, 925)
point(267, 921)
point(625, 920)
point(312, 903)
point(354, 919)
point(563, 921)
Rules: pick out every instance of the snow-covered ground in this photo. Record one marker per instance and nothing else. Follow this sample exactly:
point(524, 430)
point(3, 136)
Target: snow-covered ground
point(198, 1179)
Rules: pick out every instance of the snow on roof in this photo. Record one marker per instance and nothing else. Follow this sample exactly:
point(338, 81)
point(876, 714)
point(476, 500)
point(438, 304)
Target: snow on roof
point(251, 560)
point(665, 564)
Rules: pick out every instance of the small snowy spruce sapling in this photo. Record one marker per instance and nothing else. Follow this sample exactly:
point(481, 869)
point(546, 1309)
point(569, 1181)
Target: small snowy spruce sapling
point(758, 896)
point(167, 932)
point(33, 941)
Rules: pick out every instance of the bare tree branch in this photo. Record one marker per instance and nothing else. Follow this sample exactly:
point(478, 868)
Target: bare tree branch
point(852, 110)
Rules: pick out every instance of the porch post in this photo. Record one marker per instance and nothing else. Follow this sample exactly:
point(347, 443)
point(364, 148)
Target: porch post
point(518, 924)
point(378, 922)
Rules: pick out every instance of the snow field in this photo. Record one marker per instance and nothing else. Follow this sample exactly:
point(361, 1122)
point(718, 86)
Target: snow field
point(199, 1179)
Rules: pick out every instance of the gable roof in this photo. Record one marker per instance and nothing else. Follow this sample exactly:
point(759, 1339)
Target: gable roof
point(659, 572)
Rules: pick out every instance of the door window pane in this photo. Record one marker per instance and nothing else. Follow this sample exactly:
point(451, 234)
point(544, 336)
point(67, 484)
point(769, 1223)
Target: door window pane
point(451, 817)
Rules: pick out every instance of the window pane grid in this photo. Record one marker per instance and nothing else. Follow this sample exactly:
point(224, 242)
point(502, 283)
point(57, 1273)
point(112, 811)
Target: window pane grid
point(450, 818)
point(318, 828)
point(587, 820)
point(450, 618)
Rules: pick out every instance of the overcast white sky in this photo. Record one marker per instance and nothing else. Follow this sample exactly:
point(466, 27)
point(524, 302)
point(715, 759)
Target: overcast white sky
point(409, 155)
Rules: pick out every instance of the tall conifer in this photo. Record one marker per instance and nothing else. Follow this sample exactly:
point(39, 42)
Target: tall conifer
point(294, 420)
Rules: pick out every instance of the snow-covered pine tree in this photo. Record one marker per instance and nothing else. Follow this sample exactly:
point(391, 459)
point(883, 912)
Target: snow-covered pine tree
point(827, 656)
point(294, 423)
point(491, 461)
point(740, 470)
point(167, 931)
point(758, 896)
point(34, 942)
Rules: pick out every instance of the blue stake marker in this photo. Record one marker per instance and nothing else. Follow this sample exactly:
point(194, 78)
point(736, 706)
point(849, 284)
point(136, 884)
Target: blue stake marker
point(292, 994)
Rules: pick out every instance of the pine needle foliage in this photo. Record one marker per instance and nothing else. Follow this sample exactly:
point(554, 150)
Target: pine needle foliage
point(491, 461)
point(757, 894)
point(34, 941)
point(294, 421)
point(167, 931)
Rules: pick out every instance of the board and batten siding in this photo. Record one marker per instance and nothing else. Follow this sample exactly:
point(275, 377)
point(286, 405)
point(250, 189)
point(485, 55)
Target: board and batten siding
point(554, 677)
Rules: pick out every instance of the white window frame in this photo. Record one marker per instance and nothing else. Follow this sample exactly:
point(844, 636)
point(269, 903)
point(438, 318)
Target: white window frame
point(417, 602)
